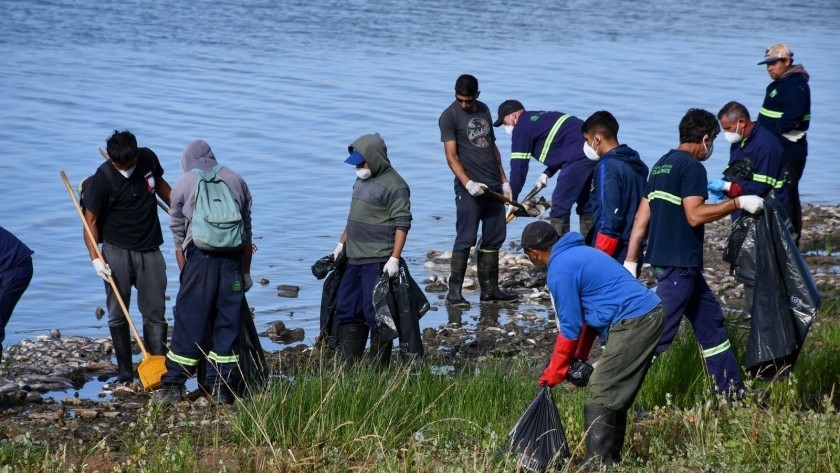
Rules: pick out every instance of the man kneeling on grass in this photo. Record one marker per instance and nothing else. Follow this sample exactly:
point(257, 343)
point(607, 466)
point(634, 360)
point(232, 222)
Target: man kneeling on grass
point(590, 289)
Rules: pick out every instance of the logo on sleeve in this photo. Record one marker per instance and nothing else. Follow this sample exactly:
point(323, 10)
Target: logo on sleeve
point(150, 182)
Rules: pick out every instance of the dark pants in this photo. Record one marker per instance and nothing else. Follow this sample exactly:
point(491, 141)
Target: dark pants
point(626, 359)
point(354, 302)
point(683, 291)
point(13, 282)
point(210, 297)
point(145, 270)
point(574, 185)
point(474, 210)
point(794, 206)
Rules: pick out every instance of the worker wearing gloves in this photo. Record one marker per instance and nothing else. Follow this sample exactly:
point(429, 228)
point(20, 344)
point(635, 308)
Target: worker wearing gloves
point(377, 226)
point(471, 153)
point(555, 140)
point(591, 290)
point(674, 213)
point(786, 112)
point(761, 151)
point(618, 184)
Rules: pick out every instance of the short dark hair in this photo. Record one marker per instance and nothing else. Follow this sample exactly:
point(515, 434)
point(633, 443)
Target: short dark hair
point(696, 124)
point(733, 111)
point(602, 122)
point(466, 85)
point(539, 235)
point(122, 147)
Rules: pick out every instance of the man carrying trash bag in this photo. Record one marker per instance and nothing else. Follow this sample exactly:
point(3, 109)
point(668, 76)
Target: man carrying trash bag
point(590, 289)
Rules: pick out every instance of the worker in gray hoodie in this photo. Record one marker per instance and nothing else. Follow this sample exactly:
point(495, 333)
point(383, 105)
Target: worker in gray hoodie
point(215, 272)
point(376, 230)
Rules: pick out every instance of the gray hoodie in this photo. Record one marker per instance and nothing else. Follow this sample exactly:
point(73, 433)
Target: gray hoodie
point(198, 155)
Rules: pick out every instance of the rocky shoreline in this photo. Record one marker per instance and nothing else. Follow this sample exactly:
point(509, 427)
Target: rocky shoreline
point(527, 328)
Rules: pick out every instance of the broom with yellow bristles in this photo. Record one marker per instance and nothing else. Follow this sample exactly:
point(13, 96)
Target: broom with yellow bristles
point(151, 369)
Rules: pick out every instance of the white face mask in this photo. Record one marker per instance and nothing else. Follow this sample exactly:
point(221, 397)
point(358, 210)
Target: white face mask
point(509, 129)
point(363, 173)
point(590, 152)
point(709, 149)
point(127, 173)
point(733, 137)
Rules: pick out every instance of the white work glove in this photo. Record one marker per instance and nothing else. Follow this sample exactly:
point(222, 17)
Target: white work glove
point(794, 135)
point(337, 250)
point(632, 267)
point(102, 269)
point(542, 181)
point(475, 188)
point(392, 267)
point(750, 203)
point(247, 281)
point(507, 191)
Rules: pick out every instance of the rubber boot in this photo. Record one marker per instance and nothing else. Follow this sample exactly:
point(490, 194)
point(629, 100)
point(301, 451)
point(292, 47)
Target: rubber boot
point(351, 341)
point(380, 348)
point(488, 278)
point(586, 222)
point(599, 425)
point(155, 338)
point(456, 280)
point(561, 225)
point(618, 436)
point(121, 338)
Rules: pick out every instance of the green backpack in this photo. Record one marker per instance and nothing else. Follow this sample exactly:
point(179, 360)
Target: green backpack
point(217, 220)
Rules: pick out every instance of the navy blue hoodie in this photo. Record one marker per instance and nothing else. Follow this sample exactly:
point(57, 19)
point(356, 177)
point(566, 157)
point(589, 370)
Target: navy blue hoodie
point(618, 185)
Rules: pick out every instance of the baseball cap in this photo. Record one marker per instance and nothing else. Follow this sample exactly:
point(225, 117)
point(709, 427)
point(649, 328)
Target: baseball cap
point(355, 158)
point(506, 108)
point(539, 236)
point(776, 52)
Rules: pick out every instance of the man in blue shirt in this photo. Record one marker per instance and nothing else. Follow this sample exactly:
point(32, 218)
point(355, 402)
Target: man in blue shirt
point(590, 290)
point(15, 275)
point(674, 214)
point(786, 112)
point(554, 139)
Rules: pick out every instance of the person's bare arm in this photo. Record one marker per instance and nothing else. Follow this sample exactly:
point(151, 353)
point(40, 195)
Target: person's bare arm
point(639, 232)
point(499, 163)
point(164, 190)
point(399, 243)
point(92, 246)
point(697, 212)
point(454, 162)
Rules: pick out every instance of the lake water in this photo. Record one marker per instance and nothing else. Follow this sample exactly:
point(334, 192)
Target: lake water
point(280, 88)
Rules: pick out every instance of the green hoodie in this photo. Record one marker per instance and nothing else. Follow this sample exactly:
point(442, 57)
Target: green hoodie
point(379, 207)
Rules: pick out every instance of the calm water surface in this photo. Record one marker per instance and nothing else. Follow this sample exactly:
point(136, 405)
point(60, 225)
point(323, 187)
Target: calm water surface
point(279, 89)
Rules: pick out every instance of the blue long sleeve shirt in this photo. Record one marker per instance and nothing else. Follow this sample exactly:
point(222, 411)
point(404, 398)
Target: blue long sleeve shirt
point(787, 107)
point(618, 185)
point(762, 148)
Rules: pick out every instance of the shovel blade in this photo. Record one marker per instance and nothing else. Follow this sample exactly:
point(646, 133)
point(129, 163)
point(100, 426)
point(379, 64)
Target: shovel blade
point(151, 370)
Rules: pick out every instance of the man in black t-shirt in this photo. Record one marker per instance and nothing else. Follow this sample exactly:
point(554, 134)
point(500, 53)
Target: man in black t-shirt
point(121, 210)
point(469, 143)
point(674, 211)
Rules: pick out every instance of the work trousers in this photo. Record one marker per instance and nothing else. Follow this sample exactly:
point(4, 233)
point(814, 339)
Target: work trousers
point(209, 301)
point(574, 185)
point(684, 291)
point(354, 301)
point(13, 282)
point(626, 359)
point(145, 270)
point(793, 205)
point(470, 211)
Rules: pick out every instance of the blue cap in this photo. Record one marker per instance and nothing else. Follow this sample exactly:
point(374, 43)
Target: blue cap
point(355, 158)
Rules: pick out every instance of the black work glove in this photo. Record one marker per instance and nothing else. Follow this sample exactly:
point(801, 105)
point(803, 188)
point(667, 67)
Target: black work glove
point(579, 373)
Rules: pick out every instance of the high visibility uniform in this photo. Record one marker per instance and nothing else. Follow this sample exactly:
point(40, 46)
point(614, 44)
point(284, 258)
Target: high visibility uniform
point(555, 139)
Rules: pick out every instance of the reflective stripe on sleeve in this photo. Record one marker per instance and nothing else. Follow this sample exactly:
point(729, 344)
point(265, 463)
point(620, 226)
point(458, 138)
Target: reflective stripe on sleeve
point(674, 199)
point(769, 113)
point(520, 155)
point(770, 181)
point(551, 135)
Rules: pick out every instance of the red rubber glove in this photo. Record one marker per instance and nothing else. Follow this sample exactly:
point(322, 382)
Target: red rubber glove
point(561, 358)
point(734, 190)
point(585, 341)
point(605, 243)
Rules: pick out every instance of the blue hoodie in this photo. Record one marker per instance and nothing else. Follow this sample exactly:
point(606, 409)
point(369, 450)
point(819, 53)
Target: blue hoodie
point(618, 185)
point(588, 285)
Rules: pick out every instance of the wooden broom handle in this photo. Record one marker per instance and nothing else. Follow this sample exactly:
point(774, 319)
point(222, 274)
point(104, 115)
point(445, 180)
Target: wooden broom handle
point(99, 255)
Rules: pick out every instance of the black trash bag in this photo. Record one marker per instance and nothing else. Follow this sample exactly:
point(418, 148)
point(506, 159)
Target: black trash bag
point(323, 266)
point(403, 304)
point(739, 251)
point(579, 373)
point(329, 296)
point(538, 439)
point(740, 170)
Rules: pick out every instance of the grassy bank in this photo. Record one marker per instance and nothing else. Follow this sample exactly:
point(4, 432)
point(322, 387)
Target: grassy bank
point(428, 419)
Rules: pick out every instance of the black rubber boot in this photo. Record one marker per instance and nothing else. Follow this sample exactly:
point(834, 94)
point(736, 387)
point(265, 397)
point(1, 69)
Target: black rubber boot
point(121, 338)
point(561, 225)
point(618, 436)
point(456, 280)
point(380, 348)
point(351, 341)
point(586, 222)
point(599, 425)
point(155, 338)
point(488, 278)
